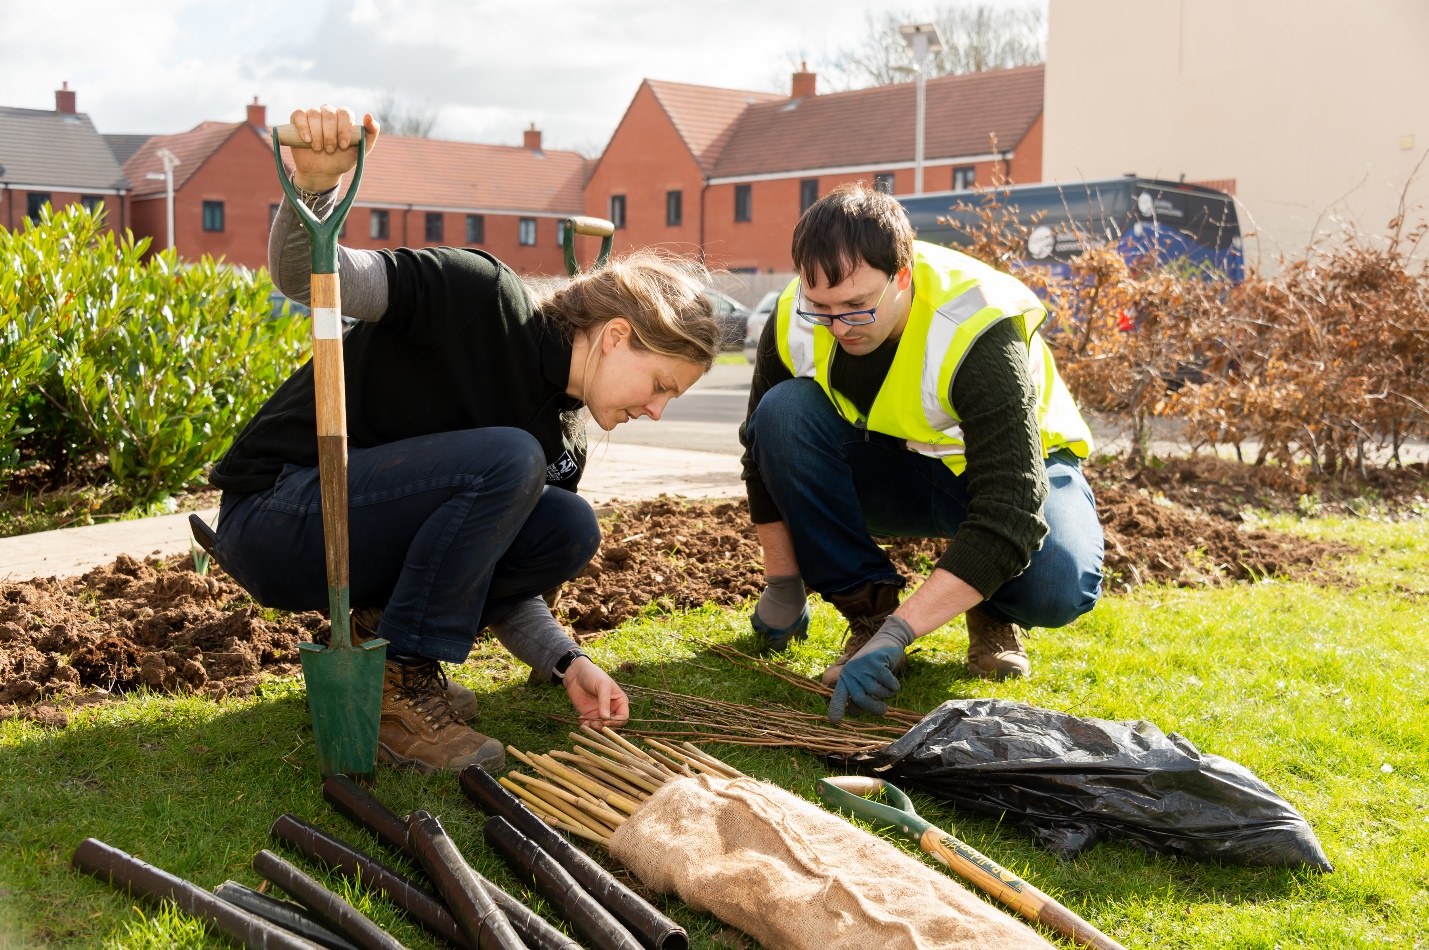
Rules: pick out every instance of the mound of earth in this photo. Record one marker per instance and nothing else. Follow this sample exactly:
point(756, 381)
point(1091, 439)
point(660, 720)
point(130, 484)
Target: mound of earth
point(154, 623)
point(679, 555)
point(1223, 488)
point(161, 625)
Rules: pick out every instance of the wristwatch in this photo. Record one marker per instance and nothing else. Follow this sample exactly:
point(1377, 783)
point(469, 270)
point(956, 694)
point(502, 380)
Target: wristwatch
point(558, 672)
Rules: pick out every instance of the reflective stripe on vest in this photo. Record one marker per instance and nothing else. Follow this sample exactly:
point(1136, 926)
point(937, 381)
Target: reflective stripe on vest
point(956, 300)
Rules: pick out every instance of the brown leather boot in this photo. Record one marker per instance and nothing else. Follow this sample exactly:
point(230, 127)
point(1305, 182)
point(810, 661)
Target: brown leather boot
point(421, 731)
point(995, 649)
point(865, 608)
point(364, 628)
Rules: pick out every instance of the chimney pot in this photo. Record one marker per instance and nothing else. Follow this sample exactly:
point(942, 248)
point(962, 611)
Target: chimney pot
point(64, 99)
point(257, 114)
point(804, 83)
point(532, 138)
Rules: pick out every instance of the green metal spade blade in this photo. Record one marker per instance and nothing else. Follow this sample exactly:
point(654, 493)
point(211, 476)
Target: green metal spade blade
point(344, 684)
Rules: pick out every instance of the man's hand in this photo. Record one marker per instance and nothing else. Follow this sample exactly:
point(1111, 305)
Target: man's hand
point(598, 699)
point(871, 676)
point(866, 681)
point(329, 132)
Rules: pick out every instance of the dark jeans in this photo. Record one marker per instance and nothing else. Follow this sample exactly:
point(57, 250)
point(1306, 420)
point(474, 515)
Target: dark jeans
point(837, 485)
point(448, 531)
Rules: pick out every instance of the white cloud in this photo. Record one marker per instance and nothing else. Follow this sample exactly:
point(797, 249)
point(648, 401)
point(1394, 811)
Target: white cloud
point(489, 66)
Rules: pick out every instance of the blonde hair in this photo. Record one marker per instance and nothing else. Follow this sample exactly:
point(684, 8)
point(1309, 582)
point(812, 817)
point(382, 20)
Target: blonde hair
point(661, 296)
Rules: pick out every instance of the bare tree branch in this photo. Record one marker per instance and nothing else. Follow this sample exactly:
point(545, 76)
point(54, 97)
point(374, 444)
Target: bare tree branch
point(401, 116)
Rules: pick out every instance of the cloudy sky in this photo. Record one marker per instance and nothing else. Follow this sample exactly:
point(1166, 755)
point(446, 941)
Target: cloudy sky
point(488, 68)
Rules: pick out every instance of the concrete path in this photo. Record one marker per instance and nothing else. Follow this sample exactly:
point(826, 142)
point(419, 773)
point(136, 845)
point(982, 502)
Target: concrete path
point(71, 551)
point(615, 471)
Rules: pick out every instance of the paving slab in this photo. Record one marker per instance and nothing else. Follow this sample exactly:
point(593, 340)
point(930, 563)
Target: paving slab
point(71, 551)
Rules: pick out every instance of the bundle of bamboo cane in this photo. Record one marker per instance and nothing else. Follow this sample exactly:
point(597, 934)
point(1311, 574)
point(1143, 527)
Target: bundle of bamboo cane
point(592, 791)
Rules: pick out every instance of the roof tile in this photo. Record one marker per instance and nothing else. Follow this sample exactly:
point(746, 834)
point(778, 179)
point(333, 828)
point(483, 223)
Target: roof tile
point(56, 150)
point(877, 125)
point(706, 115)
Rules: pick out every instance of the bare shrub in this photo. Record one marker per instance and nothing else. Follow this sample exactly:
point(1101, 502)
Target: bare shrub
point(1322, 363)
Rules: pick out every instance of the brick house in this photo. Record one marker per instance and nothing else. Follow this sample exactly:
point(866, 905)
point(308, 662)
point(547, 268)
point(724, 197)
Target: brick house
point(755, 161)
point(507, 200)
point(224, 184)
point(57, 158)
point(415, 193)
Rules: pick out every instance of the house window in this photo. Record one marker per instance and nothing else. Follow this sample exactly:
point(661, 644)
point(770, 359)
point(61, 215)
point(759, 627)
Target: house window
point(34, 202)
point(526, 232)
point(964, 177)
point(674, 208)
point(434, 227)
point(808, 193)
point(378, 224)
point(475, 229)
point(617, 210)
point(91, 203)
point(743, 203)
point(883, 183)
point(213, 215)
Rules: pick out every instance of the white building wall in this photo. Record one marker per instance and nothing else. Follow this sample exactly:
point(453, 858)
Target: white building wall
point(1318, 109)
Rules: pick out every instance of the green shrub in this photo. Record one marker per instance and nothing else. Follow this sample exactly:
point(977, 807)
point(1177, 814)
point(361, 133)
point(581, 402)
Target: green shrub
point(148, 368)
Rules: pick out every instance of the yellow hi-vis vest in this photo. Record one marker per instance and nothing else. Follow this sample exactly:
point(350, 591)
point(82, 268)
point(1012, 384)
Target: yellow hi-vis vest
point(955, 300)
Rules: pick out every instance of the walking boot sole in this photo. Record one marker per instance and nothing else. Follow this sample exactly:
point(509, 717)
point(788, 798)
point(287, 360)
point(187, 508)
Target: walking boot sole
point(1007, 672)
point(491, 756)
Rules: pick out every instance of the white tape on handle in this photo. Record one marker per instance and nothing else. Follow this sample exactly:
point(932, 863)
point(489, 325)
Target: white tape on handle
point(327, 323)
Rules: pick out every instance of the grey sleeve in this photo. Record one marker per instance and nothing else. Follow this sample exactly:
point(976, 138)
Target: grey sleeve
point(362, 273)
point(532, 635)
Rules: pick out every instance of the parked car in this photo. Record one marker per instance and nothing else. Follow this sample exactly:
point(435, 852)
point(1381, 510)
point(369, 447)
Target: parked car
point(758, 317)
point(732, 317)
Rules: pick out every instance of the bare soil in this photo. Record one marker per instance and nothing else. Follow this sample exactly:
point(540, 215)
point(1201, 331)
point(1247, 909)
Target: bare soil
point(132, 623)
point(159, 624)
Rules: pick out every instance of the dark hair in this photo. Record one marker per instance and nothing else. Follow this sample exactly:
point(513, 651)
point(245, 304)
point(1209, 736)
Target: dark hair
point(850, 225)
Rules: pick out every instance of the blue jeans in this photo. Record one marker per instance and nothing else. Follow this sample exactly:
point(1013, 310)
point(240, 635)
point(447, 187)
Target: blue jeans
point(448, 531)
point(837, 485)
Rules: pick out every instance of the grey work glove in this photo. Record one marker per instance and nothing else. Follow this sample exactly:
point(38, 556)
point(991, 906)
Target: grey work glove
point(782, 614)
point(871, 676)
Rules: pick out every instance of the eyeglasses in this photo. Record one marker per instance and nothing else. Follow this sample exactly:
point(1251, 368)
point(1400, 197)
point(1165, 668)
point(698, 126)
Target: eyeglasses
point(827, 319)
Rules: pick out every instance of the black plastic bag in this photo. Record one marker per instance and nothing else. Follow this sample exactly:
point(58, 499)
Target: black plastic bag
point(1072, 782)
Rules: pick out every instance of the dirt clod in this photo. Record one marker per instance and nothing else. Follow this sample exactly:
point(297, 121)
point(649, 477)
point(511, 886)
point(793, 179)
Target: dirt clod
point(135, 623)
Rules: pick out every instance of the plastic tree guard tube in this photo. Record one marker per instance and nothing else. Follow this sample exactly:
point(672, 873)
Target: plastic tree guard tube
point(291, 917)
point(326, 906)
point(144, 880)
point(571, 900)
point(650, 926)
point(363, 809)
point(322, 848)
point(465, 893)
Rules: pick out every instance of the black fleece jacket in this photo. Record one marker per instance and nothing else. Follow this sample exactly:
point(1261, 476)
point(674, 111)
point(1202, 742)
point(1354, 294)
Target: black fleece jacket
point(461, 346)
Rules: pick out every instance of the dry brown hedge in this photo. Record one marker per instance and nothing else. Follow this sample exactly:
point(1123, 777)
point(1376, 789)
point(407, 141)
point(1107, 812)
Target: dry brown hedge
point(1323, 362)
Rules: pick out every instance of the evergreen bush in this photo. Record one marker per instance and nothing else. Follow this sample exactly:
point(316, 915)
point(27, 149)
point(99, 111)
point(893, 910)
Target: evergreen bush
point(140, 371)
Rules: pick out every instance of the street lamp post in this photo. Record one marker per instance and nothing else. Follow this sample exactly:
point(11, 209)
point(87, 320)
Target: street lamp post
point(167, 177)
point(923, 38)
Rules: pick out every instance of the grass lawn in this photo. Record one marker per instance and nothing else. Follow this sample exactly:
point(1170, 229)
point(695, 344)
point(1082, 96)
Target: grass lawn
point(1324, 693)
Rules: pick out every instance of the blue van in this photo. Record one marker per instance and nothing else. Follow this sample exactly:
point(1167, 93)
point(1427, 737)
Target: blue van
point(1173, 221)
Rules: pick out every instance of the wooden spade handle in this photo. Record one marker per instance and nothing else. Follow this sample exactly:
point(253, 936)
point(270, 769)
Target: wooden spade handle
point(289, 135)
point(331, 394)
point(593, 227)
